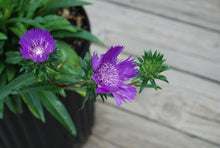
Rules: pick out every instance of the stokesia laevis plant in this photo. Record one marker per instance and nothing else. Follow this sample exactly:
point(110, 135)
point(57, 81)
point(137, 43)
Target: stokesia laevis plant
point(45, 65)
point(103, 76)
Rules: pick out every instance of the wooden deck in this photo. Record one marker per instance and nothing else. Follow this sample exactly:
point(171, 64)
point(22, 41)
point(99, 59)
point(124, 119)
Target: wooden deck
point(186, 112)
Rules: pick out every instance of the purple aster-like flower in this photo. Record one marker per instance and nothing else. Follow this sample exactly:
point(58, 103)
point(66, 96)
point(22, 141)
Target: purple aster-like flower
point(36, 44)
point(110, 75)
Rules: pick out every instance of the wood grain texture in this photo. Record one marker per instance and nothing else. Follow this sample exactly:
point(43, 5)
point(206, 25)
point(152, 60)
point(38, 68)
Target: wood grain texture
point(115, 128)
point(188, 104)
point(186, 47)
point(200, 13)
point(186, 113)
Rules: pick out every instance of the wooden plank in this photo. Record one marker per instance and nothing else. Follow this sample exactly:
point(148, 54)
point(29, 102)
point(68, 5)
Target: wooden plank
point(199, 13)
point(189, 104)
point(186, 47)
point(116, 128)
point(97, 141)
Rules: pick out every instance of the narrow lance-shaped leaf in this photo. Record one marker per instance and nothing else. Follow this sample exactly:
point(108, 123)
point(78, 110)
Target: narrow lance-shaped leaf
point(10, 71)
point(3, 36)
point(86, 99)
point(40, 86)
point(13, 57)
point(72, 57)
point(2, 66)
point(18, 29)
point(34, 105)
point(56, 5)
point(55, 22)
point(57, 109)
point(33, 6)
point(1, 108)
point(25, 21)
point(14, 104)
point(17, 83)
point(80, 34)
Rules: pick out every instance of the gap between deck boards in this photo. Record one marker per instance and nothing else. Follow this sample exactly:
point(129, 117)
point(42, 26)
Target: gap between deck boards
point(164, 16)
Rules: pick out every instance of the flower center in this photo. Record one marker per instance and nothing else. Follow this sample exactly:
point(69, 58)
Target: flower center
point(38, 50)
point(108, 75)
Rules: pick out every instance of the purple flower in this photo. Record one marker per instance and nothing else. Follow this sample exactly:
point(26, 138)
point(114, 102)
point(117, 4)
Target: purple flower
point(110, 75)
point(36, 44)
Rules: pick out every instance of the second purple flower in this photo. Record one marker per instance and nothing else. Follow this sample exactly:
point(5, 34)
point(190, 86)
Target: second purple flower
point(36, 44)
point(110, 75)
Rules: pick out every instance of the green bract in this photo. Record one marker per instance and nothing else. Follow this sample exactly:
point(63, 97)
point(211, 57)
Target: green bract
point(150, 68)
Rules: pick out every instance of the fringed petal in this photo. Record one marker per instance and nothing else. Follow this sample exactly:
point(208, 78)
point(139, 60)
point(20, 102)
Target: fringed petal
point(127, 69)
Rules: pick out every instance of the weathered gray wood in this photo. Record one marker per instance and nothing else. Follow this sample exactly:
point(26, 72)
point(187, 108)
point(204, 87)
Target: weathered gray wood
point(189, 104)
point(186, 47)
point(97, 141)
point(204, 13)
point(116, 128)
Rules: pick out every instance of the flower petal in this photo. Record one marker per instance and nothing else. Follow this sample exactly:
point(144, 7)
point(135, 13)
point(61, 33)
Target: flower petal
point(111, 55)
point(96, 62)
point(127, 69)
point(102, 90)
point(118, 98)
point(128, 92)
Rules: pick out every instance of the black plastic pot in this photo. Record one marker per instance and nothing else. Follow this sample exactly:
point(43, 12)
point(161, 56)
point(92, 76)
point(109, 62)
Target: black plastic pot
point(25, 131)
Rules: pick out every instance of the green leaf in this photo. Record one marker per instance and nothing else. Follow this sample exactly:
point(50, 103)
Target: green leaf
point(57, 109)
point(5, 3)
point(3, 36)
point(21, 6)
point(56, 5)
point(13, 57)
point(26, 21)
point(72, 57)
point(86, 99)
point(69, 69)
point(1, 108)
point(14, 104)
point(1, 47)
point(34, 105)
point(80, 34)
point(33, 5)
point(40, 86)
point(2, 66)
point(17, 83)
point(3, 79)
point(10, 71)
point(18, 29)
point(55, 22)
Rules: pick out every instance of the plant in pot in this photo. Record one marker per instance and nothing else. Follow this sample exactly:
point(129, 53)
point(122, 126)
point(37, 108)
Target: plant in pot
point(44, 71)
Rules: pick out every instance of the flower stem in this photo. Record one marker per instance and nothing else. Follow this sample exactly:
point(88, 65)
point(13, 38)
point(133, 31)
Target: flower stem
point(133, 83)
point(69, 85)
